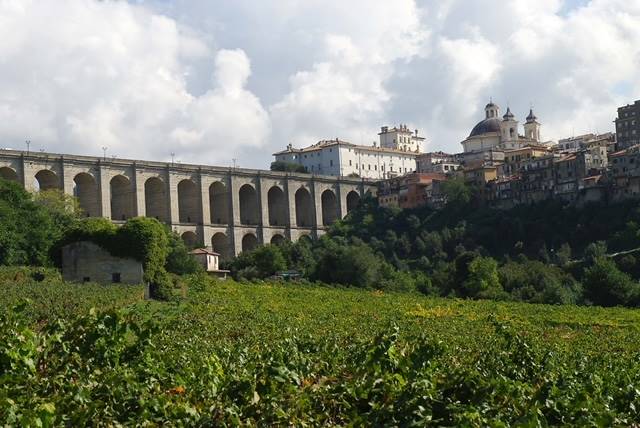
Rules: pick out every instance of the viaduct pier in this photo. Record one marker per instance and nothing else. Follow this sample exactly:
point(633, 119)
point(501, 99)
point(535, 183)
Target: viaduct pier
point(229, 209)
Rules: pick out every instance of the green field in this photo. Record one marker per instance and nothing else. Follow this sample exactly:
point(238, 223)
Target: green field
point(265, 354)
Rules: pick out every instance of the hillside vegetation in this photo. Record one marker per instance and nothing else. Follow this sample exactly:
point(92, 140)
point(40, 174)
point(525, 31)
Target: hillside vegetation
point(263, 354)
point(544, 253)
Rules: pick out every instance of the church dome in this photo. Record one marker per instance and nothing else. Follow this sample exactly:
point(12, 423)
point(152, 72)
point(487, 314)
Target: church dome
point(485, 127)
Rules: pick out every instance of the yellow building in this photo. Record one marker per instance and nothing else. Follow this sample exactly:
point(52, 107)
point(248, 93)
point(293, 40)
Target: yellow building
point(515, 159)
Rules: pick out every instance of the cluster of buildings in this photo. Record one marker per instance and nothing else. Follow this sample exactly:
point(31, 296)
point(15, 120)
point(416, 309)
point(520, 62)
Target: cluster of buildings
point(504, 166)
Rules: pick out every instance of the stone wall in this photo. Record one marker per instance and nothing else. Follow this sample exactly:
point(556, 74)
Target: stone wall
point(87, 262)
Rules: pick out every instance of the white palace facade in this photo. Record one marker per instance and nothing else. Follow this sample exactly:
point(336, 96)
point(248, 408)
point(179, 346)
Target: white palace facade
point(394, 154)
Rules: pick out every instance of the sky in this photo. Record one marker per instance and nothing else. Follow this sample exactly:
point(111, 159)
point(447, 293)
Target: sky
point(212, 81)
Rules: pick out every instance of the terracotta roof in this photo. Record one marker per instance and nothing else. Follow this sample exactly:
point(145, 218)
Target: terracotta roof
point(203, 251)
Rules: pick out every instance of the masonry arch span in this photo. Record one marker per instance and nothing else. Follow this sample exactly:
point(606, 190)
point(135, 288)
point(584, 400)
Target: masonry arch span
point(155, 199)
point(249, 242)
point(329, 207)
point(190, 239)
point(46, 180)
point(218, 201)
point(85, 189)
point(277, 239)
point(220, 244)
point(249, 212)
point(8, 174)
point(188, 202)
point(121, 198)
point(304, 208)
point(353, 200)
point(277, 202)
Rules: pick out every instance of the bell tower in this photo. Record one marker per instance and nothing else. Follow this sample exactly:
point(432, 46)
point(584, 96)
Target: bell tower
point(532, 127)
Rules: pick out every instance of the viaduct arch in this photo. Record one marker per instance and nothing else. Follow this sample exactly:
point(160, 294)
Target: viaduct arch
point(228, 209)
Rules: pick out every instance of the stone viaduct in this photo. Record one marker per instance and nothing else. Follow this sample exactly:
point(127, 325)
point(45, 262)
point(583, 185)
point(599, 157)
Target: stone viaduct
point(229, 209)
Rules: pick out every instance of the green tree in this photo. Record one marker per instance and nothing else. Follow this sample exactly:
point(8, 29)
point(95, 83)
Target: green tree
point(287, 167)
point(482, 279)
point(179, 261)
point(457, 193)
point(605, 285)
point(28, 229)
point(144, 239)
point(354, 265)
point(563, 255)
point(594, 251)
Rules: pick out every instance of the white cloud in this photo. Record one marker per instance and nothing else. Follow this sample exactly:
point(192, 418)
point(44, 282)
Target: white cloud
point(343, 93)
point(213, 81)
point(80, 74)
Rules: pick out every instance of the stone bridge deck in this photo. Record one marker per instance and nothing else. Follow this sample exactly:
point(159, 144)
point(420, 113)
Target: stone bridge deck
point(229, 209)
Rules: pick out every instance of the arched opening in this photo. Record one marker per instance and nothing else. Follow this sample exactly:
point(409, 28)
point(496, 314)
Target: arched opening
point(121, 198)
point(277, 207)
point(188, 206)
point(220, 244)
point(249, 213)
point(46, 180)
point(304, 208)
point(155, 199)
point(8, 174)
point(190, 240)
point(277, 239)
point(218, 202)
point(85, 189)
point(249, 242)
point(353, 200)
point(329, 207)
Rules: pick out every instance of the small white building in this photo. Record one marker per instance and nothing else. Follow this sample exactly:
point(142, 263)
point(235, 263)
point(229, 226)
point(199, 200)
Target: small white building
point(394, 155)
point(209, 260)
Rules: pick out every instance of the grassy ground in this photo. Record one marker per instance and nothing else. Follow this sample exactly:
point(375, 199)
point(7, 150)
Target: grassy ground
point(278, 354)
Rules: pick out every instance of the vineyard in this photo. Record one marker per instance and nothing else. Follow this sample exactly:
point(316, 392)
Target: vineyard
point(274, 354)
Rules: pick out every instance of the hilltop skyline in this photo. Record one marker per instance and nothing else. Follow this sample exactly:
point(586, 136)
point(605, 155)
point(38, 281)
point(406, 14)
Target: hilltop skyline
point(215, 82)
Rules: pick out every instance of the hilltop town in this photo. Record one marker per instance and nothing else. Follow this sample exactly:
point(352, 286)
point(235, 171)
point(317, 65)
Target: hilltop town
point(504, 167)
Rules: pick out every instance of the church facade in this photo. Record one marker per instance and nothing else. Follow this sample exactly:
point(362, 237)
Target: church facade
point(501, 133)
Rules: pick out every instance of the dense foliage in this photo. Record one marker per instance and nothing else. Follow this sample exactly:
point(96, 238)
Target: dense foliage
point(34, 228)
point(544, 253)
point(234, 354)
point(29, 227)
point(287, 167)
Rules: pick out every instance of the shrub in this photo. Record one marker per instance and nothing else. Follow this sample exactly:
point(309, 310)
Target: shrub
point(606, 285)
point(179, 261)
point(354, 265)
point(28, 229)
point(482, 280)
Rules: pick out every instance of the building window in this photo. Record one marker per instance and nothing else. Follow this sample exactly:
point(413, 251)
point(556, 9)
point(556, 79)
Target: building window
point(349, 162)
point(330, 162)
point(115, 278)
